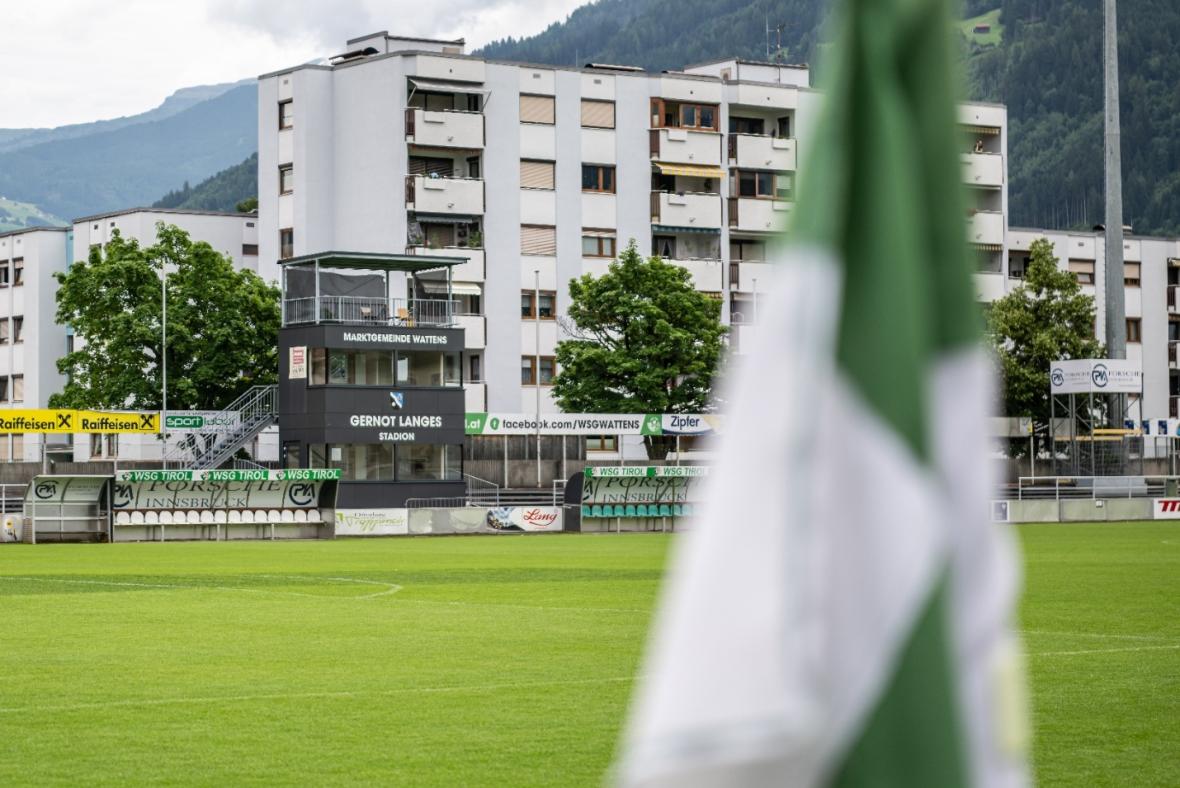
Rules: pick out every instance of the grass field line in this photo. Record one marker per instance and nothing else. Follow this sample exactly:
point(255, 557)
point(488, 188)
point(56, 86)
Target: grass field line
point(214, 699)
point(513, 606)
point(389, 588)
point(1093, 635)
point(1170, 647)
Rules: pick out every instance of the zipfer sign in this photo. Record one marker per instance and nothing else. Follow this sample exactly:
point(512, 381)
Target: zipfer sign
point(60, 421)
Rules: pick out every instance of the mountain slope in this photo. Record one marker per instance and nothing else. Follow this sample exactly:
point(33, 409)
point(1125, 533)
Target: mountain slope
point(220, 192)
point(1046, 66)
point(16, 215)
point(134, 164)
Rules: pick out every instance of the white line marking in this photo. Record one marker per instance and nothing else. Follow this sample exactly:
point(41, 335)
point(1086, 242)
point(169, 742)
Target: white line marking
point(390, 588)
point(1103, 651)
point(523, 607)
point(308, 695)
point(1094, 635)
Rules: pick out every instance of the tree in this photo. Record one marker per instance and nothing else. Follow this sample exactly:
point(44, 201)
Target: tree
point(248, 205)
point(1045, 319)
point(222, 326)
point(644, 341)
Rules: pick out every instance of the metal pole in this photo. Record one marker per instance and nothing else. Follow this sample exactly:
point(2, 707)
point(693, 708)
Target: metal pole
point(164, 354)
point(1116, 316)
point(537, 372)
point(754, 309)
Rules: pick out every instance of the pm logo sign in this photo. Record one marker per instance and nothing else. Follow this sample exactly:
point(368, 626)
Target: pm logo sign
point(1166, 508)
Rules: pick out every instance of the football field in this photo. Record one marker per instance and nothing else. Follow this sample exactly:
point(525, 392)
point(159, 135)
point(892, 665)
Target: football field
point(479, 660)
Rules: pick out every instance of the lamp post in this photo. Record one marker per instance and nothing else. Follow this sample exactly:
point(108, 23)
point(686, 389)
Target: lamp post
point(164, 354)
point(537, 361)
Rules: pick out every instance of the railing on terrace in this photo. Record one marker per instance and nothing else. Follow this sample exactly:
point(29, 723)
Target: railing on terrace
point(369, 311)
point(1056, 488)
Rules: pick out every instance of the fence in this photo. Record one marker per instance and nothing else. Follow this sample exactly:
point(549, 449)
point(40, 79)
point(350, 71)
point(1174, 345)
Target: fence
point(1056, 488)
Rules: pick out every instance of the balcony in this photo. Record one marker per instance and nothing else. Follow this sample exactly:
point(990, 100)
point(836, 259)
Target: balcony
point(398, 312)
point(476, 396)
point(444, 195)
point(1173, 354)
point(685, 146)
point(761, 152)
point(474, 334)
point(444, 129)
point(744, 275)
point(988, 287)
point(985, 227)
point(706, 274)
point(758, 215)
point(983, 169)
point(688, 210)
point(1174, 299)
point(470, 271)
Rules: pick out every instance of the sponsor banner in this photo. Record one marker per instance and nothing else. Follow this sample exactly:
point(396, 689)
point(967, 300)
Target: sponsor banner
point(525, 518)
point(372, 522)
point(182, 420)
point(636, 489)
point(50, 420)
point(206, 494)
point(1096, 376)
point(297, 363)
point(65, 489)
point(646, 471)
point(248, 475)
point(392, 338)
point(591, 424)
point(1166, 509)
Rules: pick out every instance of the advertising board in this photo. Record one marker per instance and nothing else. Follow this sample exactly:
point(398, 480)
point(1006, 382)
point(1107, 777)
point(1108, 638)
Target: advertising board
point(525, 518)
point(372, 522)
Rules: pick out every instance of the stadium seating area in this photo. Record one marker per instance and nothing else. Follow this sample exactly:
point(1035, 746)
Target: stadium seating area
point(217, 521)
point(637, 510)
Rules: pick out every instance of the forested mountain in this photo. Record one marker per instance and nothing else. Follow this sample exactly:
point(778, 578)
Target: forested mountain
point(220, 192)
point(1046, 67)
point(135, 163)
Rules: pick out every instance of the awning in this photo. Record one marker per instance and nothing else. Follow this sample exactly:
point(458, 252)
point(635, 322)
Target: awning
point(445, 218)
point(431, 86)
point(986, 247)
point(435, 287)
point(692, 171)
point(988, 130)
point(665, 229)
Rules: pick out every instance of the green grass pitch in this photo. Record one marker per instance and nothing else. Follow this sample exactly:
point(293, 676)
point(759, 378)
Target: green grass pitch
point(478, 660)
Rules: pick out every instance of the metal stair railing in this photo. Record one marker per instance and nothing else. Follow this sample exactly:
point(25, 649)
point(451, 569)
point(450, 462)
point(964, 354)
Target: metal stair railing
point(481, 492)
point(256, 410)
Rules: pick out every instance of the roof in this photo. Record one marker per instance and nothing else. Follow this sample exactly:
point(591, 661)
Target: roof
point(744, 62)
point(386, 34)
point(409, 263)
point(177, 211)
point(35, 228)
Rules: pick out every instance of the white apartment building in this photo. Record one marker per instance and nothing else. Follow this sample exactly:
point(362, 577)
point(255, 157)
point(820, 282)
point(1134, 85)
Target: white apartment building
point(539, 174)
point(31, 341)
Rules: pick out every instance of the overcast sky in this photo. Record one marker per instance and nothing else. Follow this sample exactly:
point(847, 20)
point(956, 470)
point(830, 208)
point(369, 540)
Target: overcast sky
point(74, 61)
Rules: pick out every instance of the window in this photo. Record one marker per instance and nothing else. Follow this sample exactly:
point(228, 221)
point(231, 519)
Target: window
point(598, 114)
point(1131, 274)
point(18, 271)
point(1134, 329)
point(286, 178)
point(746, 125)
point(286, 114)
point(602, 443)
point(548, 304)
point(597, 245)
point(747, 250)
point(112, 445)
point(18, 446)
point(18, 388)
point(431, 166)
point(96, 444)
point(286, 244)
point(1083, 271)
point(3, 388)
point(673, 114)
point(538, 240)
point(18, 330)
point(762, 185)
point(537, 109)
point(249, 249)
point(3, 332)
point(4, 275)
point(598, 178)
point(475, 369)
point(528, 369)
point(4, 456)
point(319, 366)
point(473, 167)
point(536, 174)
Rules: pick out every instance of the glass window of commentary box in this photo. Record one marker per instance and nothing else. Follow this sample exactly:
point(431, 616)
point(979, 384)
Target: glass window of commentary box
point(402, 462)
point(340, 367)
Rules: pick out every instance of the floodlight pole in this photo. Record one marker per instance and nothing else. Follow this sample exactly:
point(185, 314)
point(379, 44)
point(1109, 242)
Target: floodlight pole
point(164, 355)
point(1115, 307)
point(537, 353)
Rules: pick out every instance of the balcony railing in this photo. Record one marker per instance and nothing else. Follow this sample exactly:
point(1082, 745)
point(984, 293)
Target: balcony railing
point(444, 128)
point(686, 209)
point(429, 194)
point(1173, 298)
point(762, 152)
point(369, 311)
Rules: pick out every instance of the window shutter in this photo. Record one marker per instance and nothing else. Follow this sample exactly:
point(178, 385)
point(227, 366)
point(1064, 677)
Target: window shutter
point(538, 240)
point(536, 109)
point(598, 114)
point(536, 175)
point(1130, 270)
point(1081, 266)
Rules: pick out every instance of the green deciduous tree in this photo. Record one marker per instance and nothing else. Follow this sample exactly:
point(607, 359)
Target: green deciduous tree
point(1045, 319)
point(222, 326)
point(644, 341)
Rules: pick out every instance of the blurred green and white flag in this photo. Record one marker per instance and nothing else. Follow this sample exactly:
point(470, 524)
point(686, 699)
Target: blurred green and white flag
point(840, 612)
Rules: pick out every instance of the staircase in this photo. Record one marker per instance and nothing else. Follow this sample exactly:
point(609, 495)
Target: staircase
point(206, 448)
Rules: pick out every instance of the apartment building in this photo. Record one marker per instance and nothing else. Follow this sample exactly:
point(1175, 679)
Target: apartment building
point(31, 341)
point(539, 174)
